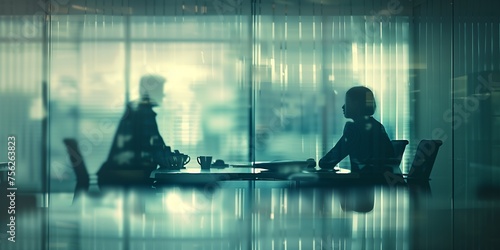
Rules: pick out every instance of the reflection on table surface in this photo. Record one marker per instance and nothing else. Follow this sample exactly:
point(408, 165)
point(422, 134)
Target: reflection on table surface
point(235, 215)
point(303, 177)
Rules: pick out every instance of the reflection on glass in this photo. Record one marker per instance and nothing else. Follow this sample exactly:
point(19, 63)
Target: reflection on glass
point(21, 108)
point(237, 218)
point(97, 62)
point(304, 65)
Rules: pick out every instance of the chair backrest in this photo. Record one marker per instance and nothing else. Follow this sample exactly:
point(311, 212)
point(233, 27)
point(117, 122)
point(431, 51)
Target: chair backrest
point(425, 156)
point(78, 164)
point(3, 173)
point(399, 148)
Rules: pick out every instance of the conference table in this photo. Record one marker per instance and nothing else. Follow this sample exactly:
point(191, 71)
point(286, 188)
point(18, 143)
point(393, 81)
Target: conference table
point(293, 175)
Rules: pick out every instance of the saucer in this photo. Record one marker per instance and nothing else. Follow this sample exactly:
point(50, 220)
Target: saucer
point(219, 164)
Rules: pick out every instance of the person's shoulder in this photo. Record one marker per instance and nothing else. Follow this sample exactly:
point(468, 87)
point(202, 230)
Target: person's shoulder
point(375, 122)
point(144, 108)
point(130, 108)
point(349, 127)
point(377, 125)
point(137, 108)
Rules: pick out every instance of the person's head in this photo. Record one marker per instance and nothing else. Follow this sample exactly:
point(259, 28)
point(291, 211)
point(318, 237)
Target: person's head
point(359, 103)
point(152, 86)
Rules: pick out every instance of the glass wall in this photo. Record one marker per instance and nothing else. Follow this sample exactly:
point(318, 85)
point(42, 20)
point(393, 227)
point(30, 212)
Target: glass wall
point(98, 60)
point(475, 122)
point(431, 93)
point(263, 80)
point(306, 58)
point(246, 81)
point(21, 95)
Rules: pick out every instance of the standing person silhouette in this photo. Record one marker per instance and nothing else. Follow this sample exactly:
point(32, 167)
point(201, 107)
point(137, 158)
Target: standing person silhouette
point(137, 144)
point(364, 139)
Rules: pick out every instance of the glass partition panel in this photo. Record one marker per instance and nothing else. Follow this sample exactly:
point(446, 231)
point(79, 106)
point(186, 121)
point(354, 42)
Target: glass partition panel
point(305, 62)
point(205, 109)
point(22, 113)
point(87, 90)
point(257, 80)
point(97, 62)
point(476, 122)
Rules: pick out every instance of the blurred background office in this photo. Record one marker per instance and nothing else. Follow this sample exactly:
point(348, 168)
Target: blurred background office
point(259, 80)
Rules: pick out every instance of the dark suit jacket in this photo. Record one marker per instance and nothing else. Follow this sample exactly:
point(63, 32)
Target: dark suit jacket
point(366, 143)
point(137, 143)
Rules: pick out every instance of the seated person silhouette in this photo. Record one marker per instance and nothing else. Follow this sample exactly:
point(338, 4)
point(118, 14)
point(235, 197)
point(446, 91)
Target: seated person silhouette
point(137, 144)
point(364, 139)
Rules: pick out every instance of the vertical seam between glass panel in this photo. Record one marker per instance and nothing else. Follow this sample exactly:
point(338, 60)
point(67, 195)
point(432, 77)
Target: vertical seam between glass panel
point(46, 45)
point(452, 126)
point(127, 57)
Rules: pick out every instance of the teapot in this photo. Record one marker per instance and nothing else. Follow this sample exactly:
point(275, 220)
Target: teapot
point(176, 160)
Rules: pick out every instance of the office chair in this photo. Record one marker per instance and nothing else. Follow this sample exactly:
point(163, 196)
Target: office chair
point(78, 164)
point(3, 173)
point(425, 156)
